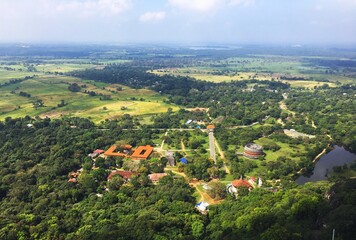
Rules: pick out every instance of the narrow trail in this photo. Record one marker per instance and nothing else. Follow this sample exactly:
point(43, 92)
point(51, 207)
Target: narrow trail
point(182, 145)
point(313, 124)
point(279, 120)
point(204, 197)
point(161, 149)
point(283, 106)
point(320, 154)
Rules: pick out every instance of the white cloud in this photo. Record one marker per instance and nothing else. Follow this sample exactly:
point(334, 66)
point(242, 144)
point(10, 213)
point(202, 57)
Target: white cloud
point(197, 5)
point(152, 16)
point(92, 7)
point(208, 5)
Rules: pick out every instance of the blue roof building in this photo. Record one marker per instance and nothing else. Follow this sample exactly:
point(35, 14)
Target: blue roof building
point(184, 160)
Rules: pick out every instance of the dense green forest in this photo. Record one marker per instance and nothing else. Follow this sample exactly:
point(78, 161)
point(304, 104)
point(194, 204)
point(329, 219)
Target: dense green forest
point(332, 110)
point(38, 202)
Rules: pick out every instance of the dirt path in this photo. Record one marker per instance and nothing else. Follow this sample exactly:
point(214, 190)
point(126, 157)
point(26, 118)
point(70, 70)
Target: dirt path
point(182, 145)
point(178, 173)
point(204, 197)
point(163, 141)
point(320, 154)
point(279, 120)
point(283, 106)
point(313, 124)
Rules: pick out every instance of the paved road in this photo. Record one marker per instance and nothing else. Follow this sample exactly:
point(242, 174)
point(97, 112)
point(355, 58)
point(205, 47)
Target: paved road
point(212, 146)
point(222, 155)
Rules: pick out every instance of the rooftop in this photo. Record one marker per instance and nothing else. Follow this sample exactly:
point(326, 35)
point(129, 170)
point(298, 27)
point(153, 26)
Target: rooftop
point(142, 152)
point(154, 177)
point(253, 146)
point(112, 149)
point(124, 174)
point(98, 151)
point(241, 183)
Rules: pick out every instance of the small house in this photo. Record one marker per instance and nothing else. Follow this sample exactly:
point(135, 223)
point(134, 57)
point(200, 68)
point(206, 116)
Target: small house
point(184, 160)
point(99, 151)
point(202, 206)
point(126, 175)
point(155, 177)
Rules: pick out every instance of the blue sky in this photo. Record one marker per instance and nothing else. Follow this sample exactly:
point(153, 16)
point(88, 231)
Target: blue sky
point(179, 21)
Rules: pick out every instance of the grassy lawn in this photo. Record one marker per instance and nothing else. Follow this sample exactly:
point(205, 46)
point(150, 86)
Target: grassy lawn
point(286, 150)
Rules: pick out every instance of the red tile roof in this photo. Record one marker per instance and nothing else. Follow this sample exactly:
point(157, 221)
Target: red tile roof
point(98, 151)
point(210, 126)
point(154, 177)
point(124, 174)
point(72, 180)
point(241, 183)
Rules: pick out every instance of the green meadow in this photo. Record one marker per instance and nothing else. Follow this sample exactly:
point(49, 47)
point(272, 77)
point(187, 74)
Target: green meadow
point(53, 89)
point(261, 67)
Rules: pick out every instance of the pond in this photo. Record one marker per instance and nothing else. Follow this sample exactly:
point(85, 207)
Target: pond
point(337, 157)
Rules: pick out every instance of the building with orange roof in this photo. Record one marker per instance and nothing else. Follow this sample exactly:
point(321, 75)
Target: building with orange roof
point(241, 183)
point(142, 153)
point(250, 184)
point(113, 152)
point(210, 126)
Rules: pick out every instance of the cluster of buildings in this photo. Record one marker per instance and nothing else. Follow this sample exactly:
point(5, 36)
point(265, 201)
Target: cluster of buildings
point(127, 175)
point(73, 176)
point(124, 151)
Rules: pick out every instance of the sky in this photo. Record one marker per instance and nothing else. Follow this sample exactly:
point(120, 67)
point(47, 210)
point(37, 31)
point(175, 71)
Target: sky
point(179, 21)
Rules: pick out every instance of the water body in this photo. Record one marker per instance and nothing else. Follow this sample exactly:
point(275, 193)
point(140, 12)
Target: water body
point(337, 157)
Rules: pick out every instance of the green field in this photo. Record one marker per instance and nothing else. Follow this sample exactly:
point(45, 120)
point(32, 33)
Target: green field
point(261, 67)
point(64, 67)
point(52, 89)
point(6, 76)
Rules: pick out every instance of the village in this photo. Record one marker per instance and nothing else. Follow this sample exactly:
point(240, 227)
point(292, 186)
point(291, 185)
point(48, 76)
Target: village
point(123, 163)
